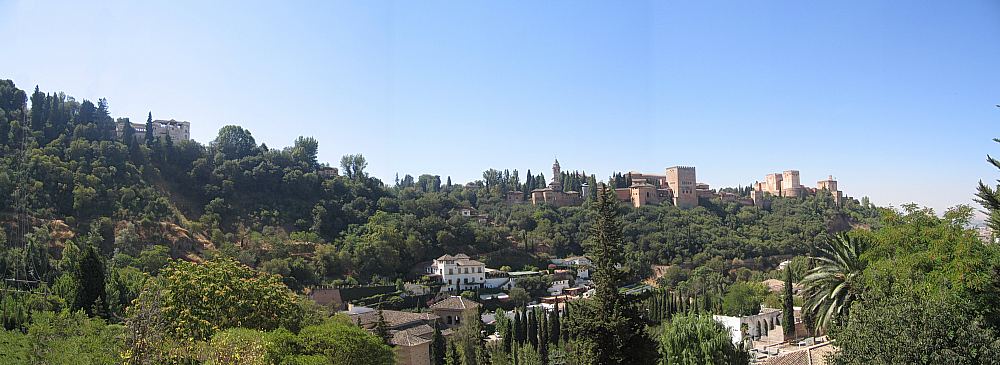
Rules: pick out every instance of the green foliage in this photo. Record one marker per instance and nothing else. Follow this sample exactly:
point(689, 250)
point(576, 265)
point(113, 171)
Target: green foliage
point(694, 339)
point(608, 328)
point(787, 306)
point(201, 299)
point(62, 338)
point(743, 299)
point(238, 346)
point(832, 285)
point(91, 295)
point(905, 327)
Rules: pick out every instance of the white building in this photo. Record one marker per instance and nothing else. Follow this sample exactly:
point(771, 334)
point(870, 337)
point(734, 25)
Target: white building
point(177, 130)
point(459, 272)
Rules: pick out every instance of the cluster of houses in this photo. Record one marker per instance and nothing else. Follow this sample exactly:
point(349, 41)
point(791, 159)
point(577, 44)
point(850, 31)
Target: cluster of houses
point(570, 276)
point(412, 332)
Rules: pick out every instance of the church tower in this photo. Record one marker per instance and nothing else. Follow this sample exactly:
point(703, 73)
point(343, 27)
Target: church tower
point(556, 184)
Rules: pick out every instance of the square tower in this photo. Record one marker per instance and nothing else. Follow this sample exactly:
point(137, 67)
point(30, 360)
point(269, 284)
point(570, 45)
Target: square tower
point(682, 181)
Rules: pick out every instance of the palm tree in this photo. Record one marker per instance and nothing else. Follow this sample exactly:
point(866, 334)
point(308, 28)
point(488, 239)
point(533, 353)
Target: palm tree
point(830, 287)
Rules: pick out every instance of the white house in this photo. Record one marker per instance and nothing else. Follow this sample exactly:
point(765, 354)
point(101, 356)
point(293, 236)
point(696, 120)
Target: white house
point(459, 272)
point(557, 287)
point(765, 326)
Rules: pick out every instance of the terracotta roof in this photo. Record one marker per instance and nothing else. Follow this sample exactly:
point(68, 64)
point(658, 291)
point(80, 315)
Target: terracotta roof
point(815, 355)
point(407, 338)
point(457, 303)
point(791, 358)
point(392, 318)
point(460, 260)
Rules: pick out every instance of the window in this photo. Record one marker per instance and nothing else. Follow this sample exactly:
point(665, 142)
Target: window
point(458, 320)
point(449, 319)
point(451, 272)
point(449, 281)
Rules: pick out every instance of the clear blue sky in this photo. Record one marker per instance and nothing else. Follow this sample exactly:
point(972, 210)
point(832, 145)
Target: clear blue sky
point(895, 99)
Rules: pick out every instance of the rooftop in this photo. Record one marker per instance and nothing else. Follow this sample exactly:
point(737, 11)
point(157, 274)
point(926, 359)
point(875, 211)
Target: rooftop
point(392, 318)
point(455, 302)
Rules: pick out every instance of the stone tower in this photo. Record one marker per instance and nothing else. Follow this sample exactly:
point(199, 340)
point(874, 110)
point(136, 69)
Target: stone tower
point(556, 184)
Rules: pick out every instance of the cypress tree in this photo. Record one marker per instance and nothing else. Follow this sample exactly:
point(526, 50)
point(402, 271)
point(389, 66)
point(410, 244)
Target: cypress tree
point(565, 331)
point(90, 275)
point(543, 338)
point(518, 328)
point(149, 130)
point(533, 329)
point(787, 314)
point(508, 336)
point(453, 358)
point(554, 329)
point(382, 328)
point(439, 347)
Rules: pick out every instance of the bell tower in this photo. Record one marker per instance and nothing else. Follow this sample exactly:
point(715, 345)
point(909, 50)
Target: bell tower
point(556, 183)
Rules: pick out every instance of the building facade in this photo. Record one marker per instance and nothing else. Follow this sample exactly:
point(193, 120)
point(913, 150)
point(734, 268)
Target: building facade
point(787, 184)
point(176, 130)
point(683, 182)
point(554, 194)
point(459, 272)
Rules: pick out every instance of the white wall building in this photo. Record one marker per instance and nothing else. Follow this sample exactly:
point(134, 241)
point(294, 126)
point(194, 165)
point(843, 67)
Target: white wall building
point(459, 272)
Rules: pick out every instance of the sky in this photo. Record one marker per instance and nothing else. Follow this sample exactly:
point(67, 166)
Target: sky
point(896, 100)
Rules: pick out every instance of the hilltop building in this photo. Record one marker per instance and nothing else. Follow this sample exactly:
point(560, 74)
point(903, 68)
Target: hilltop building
point(787, 184)
point(678, 185)
point(177, 130)
point(554, 194)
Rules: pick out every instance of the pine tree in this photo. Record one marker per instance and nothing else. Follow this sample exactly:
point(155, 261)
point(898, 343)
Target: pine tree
point(149, 130)
point(787, 315)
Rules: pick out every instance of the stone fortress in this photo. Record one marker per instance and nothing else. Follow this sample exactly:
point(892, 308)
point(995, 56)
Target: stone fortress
point(787, 184)
point(679, 186)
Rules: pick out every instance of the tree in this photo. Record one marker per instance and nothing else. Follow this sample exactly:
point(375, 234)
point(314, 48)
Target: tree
point(453, 357)
point(608, 328)
point(439, 347)
point(543, 337)
point(743, 299)
point(382, 328)
point(830, 287)
point(149, 131)
point(900, 326)
point(200, 299)
point(235, 142)
point(90, 295)
point(354, 166)
point(305, 151)
point(989, 197)
point(519, 297)
point(554, 327)
point(533, 328)
point(695, 339)
point(469, 337)
point(333, 342)
point(787, 310)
